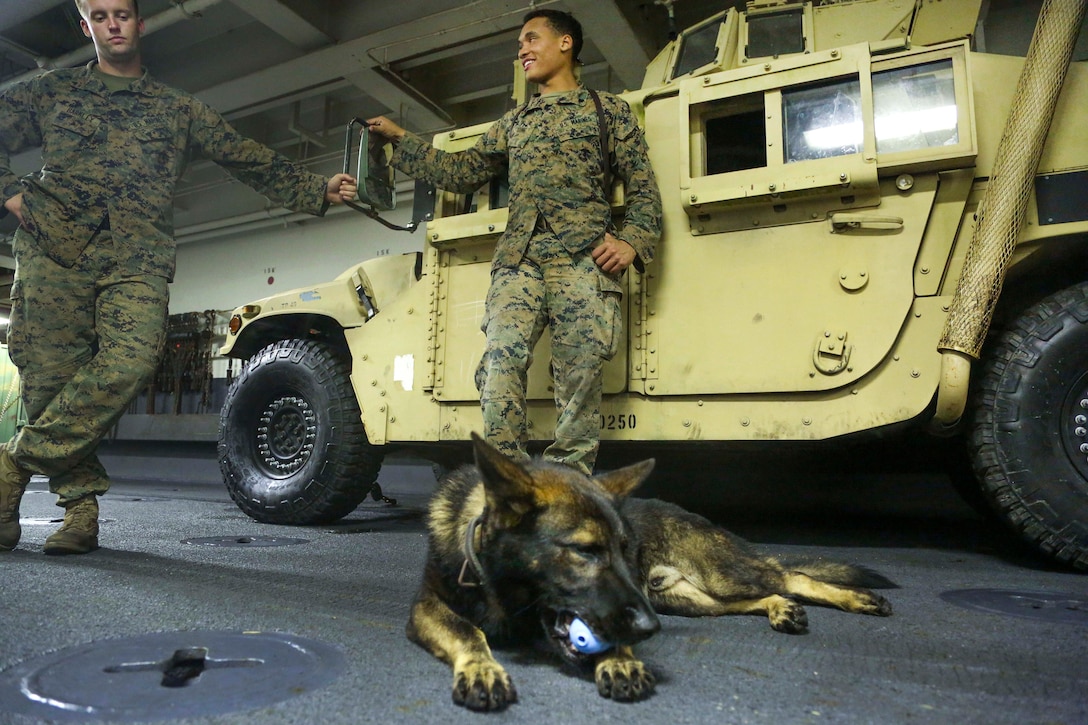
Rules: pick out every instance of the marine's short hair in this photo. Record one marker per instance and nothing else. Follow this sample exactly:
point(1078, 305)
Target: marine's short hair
point(563, 24)
point(81, 7)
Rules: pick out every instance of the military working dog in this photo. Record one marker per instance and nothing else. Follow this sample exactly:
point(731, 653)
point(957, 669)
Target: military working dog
point(518, 552)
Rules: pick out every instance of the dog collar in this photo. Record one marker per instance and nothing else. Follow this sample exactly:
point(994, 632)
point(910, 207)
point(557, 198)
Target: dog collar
point(472, 561)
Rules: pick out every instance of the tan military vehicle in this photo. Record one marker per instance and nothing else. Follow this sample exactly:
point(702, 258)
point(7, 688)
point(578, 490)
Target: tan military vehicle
point(867, 224)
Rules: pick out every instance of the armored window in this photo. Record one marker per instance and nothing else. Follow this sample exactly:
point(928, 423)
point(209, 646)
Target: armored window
point(915, 107)
point(697, 49)
point(707, 47)
point(462, 216)
point(775, 34)
point(923, 114)
point(822, 121)
point(737, 139)
point(764, 153)
point(495, 194)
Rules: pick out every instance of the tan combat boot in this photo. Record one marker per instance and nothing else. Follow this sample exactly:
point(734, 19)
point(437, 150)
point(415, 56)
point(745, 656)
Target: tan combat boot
point(13, 481)
point(79, 533)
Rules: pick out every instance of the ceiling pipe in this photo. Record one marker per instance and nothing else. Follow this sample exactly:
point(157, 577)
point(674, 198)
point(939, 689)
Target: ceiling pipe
point(181, 10)
point(36, 60)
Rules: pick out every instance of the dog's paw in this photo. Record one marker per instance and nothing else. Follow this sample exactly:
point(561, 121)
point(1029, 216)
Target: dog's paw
point(788, 616)
point(624, 679)
point(874, 604)
point(483, 686)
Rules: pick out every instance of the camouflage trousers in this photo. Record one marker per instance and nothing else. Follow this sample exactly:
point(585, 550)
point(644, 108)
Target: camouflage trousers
point(86, 340)
point(580, 306)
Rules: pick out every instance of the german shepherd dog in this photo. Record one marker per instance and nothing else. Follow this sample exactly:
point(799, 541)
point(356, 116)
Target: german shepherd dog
point(520, 551)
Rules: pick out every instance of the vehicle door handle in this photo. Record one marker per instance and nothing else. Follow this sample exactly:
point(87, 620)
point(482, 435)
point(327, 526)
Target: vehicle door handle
point(842, 221)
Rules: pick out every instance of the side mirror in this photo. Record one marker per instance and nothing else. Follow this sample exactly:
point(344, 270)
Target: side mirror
point(375, 175)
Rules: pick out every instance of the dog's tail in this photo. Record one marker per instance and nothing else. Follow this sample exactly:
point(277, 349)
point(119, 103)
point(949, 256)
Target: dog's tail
point(834, 572)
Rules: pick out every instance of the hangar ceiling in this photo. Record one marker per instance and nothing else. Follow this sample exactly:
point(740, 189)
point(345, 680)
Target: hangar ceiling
point(293, 73)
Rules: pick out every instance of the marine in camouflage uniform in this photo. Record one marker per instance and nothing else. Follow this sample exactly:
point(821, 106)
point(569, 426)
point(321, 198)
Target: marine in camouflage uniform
point(95, 253)
point(543, 274)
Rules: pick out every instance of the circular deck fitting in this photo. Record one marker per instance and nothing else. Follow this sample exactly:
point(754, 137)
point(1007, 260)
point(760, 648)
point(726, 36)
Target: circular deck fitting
point(168, 675)
point(244, 541)
point(1048, 606)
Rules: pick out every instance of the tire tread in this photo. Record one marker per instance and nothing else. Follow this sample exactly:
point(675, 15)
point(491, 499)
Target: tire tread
point(1011, 363)
point(340, 484)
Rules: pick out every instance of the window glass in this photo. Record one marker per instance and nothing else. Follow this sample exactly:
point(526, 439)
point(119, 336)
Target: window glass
point(823, 121)
point(775, 34)
point(915, 107)
point(697, 49)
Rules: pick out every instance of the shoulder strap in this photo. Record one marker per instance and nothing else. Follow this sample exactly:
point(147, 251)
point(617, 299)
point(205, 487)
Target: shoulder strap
point(602, 123)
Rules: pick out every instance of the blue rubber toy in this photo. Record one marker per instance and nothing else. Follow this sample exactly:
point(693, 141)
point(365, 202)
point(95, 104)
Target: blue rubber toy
point(583, 639)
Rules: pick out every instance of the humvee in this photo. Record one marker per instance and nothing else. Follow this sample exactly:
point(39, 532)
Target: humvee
point(868, 225)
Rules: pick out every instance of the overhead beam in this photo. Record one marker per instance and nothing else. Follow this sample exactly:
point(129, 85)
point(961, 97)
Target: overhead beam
point(412, 108)
point(360, 59)
point(506, 89)
point(285, 22)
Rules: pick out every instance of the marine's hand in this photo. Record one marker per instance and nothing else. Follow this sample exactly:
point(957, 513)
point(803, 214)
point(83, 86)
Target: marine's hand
point(384, 127)
point(341, 188)
point(613, 255)
point(15, 206)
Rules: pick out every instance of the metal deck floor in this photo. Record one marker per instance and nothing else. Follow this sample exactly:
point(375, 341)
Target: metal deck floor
point(1020, 658)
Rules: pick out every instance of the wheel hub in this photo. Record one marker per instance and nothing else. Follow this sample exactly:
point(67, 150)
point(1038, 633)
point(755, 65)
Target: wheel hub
point(1075, 426)
point(286, 431)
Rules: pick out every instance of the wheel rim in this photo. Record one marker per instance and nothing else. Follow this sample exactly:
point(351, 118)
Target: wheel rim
point(286, 431)
point(1075, 425)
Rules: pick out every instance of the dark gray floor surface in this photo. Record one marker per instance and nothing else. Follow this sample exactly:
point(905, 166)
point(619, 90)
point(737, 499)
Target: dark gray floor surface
point(349, 585)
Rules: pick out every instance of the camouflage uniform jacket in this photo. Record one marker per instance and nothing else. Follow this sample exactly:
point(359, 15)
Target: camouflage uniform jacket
point(116, 158)
point(550, 148)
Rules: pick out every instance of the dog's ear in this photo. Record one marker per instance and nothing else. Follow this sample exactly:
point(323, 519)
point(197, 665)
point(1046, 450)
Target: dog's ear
point(621, 482)
point(509, 487)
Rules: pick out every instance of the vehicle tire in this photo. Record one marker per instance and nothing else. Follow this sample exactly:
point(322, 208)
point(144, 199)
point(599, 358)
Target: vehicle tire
point(292, 449)
point(1029, 429)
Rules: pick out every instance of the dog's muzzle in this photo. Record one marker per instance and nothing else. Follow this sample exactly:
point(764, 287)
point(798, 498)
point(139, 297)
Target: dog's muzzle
point(643, 623)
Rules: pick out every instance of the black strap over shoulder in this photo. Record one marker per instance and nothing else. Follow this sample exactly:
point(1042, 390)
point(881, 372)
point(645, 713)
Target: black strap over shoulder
point(602, 123)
